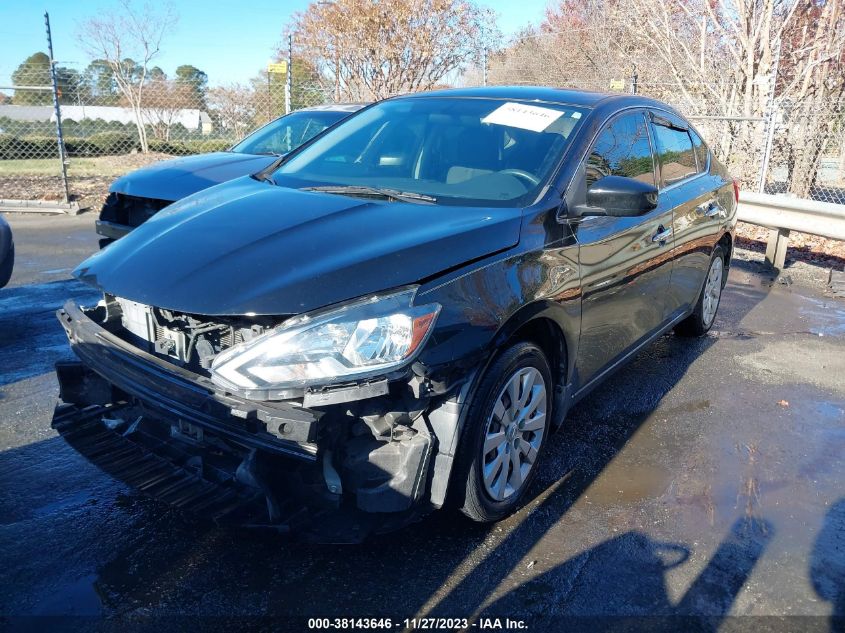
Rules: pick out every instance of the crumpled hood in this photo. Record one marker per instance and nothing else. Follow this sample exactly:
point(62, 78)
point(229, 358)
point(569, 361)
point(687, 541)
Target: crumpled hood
point(180, 177)
point(252, 247)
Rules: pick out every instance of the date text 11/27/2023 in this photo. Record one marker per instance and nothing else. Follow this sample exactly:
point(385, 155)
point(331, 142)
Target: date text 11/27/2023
point(430, 624)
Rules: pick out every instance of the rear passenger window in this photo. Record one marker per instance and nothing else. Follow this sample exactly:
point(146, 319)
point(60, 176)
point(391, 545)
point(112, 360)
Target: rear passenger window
point(622, 149)
point(674, 149)
point(702, 154)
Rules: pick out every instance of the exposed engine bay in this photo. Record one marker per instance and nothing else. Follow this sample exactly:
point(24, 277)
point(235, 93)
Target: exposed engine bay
point(188, 340)
point(130, 210)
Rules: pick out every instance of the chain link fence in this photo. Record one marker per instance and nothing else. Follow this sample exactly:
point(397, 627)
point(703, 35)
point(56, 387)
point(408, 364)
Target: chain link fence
point(104, 135)
point(796, 149)
point(807, 152)
point(29, 148)
point(792, 149)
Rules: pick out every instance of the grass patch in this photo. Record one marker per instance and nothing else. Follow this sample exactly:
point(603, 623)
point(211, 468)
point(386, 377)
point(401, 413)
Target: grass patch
point(102, 166)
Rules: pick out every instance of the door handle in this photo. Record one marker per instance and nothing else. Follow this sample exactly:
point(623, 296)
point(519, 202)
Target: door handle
point(662, 235)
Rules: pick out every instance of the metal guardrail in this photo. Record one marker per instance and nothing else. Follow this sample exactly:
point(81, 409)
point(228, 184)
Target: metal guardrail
point(782, 214)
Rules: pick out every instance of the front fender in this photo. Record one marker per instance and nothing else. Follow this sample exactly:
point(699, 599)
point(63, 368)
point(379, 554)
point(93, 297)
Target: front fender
point(482, 310)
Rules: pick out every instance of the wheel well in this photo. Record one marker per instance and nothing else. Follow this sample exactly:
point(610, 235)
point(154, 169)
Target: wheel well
point(548, 336)
point(727, 245)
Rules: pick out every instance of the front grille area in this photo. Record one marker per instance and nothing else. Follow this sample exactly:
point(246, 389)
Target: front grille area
point(230, 338)
point(188, 340)
point(130, 210)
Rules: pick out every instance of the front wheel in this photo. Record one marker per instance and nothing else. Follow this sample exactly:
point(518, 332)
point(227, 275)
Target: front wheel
point(704, 314)
point(507, 425)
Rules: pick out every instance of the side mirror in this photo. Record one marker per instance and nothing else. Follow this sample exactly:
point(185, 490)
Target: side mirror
point(619, 196)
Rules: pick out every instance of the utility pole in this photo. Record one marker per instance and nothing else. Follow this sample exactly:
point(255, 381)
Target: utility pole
point(634, 77)
point(59, 139)
point(289, 78)
point(484, 63)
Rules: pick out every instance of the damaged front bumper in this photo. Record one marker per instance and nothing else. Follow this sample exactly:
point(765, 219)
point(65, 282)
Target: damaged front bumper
point(111, 230)
point(337, 471)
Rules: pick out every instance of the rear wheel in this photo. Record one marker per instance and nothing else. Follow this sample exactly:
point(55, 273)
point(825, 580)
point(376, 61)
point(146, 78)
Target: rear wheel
point(704, 314)
point(507, 425)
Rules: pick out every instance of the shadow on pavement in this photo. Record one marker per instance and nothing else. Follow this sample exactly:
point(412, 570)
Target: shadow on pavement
point(624, 577)
point(827, 564)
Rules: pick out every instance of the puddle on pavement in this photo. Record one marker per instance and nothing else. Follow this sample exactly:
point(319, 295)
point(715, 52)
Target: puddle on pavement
point(827, 316)
point(629, 479)
point(781, 474)
point(832, 410)
point(795, 310)
point(627, 483)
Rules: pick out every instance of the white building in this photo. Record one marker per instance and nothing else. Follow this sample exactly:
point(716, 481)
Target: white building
point(190, 118)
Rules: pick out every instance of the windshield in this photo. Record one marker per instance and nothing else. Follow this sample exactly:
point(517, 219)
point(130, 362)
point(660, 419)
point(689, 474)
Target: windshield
point(289, 132)
point(461, 151)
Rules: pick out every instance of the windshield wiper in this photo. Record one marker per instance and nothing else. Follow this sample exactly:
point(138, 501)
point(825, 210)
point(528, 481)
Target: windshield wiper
point(374, 192)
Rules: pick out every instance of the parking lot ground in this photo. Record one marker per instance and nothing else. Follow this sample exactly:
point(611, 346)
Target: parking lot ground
point(707, 478)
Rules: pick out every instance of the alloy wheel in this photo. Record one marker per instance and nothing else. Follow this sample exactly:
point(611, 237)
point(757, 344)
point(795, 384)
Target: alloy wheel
point(712, 291)
point(514, 433)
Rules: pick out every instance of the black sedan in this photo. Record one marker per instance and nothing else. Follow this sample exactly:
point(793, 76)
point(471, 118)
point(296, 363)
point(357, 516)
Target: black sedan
point(137, 196)
point(398, 314)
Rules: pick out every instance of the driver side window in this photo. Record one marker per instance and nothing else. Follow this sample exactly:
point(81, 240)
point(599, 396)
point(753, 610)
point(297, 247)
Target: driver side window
point(622, 149)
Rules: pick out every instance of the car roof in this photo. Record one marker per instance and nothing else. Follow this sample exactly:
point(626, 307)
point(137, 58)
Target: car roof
point(334, 107)
point(564, 96)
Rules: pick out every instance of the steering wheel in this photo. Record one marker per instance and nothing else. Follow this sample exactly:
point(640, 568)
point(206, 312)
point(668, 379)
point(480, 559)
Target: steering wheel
point(520, 173)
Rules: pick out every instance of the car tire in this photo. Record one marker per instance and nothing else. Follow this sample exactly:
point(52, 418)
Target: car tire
point(493, 498)
point(7, 265)
point(704, 314)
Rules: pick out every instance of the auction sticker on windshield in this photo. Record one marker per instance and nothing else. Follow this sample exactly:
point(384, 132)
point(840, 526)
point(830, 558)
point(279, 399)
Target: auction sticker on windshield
point(525, 117)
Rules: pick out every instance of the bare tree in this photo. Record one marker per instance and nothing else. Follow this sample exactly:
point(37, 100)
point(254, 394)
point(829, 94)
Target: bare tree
point(812, 85)
point(717, 58)
point(119, 38)
point(370, 49)
point(734, 58)
point(234, 108)
point(741, 57)
point(164, 103)
point(579, 44)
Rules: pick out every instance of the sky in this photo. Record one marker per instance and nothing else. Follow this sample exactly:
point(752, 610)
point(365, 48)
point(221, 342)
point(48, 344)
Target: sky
point(230, 41)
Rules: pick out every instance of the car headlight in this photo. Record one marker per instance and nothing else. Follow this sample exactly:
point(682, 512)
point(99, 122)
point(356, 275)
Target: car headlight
point(363, 338)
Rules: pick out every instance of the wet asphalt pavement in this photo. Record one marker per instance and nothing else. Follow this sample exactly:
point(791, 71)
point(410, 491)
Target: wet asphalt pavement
point(707, 478)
